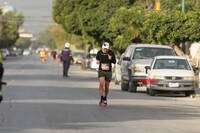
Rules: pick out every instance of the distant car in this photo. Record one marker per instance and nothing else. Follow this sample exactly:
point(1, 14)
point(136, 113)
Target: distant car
point(92, 62)
point(26, 52)
point(4, 54)
point(77, 56)
point(6, 51)
point(89, 62)
point(170, 73)
point(12, 53)
point(19, 51)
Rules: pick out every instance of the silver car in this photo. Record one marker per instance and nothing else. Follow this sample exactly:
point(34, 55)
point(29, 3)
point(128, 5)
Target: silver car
point(134, 60)
point(170, 73)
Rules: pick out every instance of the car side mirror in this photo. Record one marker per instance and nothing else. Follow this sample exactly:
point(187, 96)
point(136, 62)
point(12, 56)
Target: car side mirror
point(196, 68)
point(147, 68)
point(126, 59)
point(118, 62)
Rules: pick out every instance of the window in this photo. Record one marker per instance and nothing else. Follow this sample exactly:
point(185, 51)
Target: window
point(181, 64)
point(149, 52)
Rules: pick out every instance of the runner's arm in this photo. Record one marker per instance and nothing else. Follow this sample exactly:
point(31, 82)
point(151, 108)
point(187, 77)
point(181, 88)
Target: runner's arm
point(98, 58)
point(113, 59)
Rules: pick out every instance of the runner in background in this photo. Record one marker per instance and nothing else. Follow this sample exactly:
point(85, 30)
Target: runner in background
point(66, 58)
point(54, 54)
point(43, 56)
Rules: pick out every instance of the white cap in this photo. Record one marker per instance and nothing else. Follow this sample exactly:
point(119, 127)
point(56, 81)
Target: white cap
point(67, 45)
point(105, 45)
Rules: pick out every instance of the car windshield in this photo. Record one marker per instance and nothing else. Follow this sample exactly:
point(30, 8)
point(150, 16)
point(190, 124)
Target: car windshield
point(181, 64)
point(149, 52)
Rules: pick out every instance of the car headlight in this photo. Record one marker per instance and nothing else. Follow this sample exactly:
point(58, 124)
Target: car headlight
point(158, 77)
point(188, 78)
point(138, 69)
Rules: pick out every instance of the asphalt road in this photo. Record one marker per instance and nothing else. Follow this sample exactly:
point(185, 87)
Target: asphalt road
point(39, 100)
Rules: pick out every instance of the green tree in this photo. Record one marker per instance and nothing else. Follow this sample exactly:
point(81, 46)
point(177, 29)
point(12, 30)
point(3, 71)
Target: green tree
point(126, 26)
point(191, 28)
point(172, 28)
point(65, 12)
point(121, 22)
point(23, 43)
point(46, 38)
point(164, 28)
point(87, 18)
point(9, 26)
point(171, 5)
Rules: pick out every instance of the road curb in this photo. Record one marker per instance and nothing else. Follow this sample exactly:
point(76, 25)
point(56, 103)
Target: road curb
point(195, 96)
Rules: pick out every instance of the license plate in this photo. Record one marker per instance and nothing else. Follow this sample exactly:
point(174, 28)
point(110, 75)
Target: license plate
point(174, 85)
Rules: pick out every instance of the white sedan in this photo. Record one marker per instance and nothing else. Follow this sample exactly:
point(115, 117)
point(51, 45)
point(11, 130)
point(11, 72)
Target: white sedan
point(170, 73)
point(27, 52)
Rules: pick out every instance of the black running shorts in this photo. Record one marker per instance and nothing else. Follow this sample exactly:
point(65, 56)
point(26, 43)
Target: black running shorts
point(106, 74)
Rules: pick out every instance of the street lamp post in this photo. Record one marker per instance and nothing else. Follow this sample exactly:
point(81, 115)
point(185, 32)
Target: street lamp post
point(183, 6)
point(183, 10)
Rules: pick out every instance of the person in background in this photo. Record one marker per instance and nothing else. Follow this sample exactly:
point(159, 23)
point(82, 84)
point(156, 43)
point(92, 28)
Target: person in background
point(66, 58)
point(43, 56)
point(53, 54)
point(105, 58)
point(1, 76)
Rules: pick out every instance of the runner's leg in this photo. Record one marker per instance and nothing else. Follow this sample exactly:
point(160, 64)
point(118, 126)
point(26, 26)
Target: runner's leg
point(107, 84)
point(67, 68)
point(101, 84)
point(64, 67)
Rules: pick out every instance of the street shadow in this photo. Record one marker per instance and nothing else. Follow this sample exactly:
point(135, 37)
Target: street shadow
point(159, 94)
point(90, 116)
point(49, 77)
point(76, 92)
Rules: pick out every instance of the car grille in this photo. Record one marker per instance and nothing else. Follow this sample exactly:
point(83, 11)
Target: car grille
point(173, 78)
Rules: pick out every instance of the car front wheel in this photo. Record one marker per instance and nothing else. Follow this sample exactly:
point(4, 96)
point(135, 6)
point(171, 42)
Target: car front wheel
point(188, 93)
point(151, 92)
point(132, 87)
point(124, 86)
point(147, 91)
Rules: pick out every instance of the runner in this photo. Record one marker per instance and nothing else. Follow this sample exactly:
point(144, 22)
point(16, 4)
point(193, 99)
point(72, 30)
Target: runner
point(53, 54)
point(42, 56)
point(1, 76)
point(66, 58)
point(105, 58)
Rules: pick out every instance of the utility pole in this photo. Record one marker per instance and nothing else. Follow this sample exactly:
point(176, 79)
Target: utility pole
point(183, 10)
point(183, 6)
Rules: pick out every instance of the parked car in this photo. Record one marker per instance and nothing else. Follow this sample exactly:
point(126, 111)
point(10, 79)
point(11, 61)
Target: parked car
point(12, 53)
point(19, 51)
point(89, 62)
point(26, 52)
point(5, 53)
point(171, 73)
point(92, 62)
point(134, 60)
point(77, 56)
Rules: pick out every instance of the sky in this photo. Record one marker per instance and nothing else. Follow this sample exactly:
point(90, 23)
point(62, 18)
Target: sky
point(37, 13)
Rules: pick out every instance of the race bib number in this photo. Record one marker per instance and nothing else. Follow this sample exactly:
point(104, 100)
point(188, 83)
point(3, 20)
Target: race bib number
point(105, 67)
